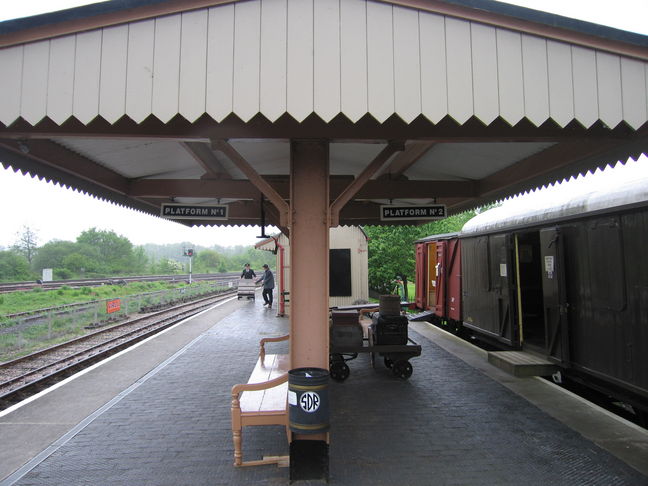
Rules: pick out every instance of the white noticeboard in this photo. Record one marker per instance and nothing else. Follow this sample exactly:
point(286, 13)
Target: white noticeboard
point(47, 275)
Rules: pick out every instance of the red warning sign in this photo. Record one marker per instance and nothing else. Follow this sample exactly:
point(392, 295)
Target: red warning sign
point(113, 305)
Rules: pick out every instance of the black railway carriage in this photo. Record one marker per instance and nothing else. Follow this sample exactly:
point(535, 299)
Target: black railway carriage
point(567, 280)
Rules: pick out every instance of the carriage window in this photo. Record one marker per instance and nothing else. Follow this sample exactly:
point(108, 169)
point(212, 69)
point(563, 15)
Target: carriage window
point(607, 275)
point(499, 270)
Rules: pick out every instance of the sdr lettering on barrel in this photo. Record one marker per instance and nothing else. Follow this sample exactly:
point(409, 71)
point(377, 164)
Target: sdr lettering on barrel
point(309, 402)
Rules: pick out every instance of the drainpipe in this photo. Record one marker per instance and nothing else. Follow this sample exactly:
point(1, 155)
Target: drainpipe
point(282, 297)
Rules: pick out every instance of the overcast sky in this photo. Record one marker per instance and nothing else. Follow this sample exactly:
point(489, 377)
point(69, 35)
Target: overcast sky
point(58, 213)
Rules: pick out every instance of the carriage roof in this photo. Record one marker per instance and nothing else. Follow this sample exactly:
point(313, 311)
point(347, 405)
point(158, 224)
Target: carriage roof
point(602, 191)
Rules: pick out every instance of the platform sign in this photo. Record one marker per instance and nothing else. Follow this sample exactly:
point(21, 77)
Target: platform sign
point(194, 211)
point(413, 213)
point(113, 306)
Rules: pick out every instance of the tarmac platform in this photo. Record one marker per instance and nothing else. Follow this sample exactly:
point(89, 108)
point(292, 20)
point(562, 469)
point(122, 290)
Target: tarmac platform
point(159, 415)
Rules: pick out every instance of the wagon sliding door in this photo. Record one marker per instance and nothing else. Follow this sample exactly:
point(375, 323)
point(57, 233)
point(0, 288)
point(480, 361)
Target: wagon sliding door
point(488, 286)
point(554, 294)
point(503, 285)
point(441, 282)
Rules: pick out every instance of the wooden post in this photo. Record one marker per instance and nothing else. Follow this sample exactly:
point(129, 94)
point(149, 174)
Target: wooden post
point(309, 253)
point(309, 286)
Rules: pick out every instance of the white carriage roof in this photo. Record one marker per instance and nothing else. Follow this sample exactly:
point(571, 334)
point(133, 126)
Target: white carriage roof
point(460, 102)
point(603, 190)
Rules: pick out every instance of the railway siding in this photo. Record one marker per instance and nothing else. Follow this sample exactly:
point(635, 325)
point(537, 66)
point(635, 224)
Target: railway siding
point(24, 332)
point(26, 375)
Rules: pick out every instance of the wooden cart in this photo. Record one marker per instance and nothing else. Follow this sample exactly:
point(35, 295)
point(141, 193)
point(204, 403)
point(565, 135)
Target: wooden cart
point(395, 356)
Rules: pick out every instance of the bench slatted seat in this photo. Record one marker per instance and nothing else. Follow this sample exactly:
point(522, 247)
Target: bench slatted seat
point(262, 400)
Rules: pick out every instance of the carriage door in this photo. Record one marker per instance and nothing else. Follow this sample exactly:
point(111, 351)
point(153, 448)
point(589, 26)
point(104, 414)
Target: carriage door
point(431, 275)
point(421, 269)
point(503, 287)
point(554, 294)
point(441, 282)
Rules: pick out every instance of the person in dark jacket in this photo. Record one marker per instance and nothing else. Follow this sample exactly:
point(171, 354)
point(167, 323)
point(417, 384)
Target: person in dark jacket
point(268, 284)
point(248, 272)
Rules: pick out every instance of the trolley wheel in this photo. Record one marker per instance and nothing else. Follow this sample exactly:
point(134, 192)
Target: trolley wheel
point(403, 369)
point(389, 363)
point(339, 371)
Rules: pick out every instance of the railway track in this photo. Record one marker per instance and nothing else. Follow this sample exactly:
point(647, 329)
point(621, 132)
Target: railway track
point(28, 375)
point(89, 282)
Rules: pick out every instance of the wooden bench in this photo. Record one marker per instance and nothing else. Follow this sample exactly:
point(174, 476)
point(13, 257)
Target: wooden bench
point(262, 401)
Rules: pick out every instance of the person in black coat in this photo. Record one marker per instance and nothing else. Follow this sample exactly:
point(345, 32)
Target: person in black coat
point(248, 272)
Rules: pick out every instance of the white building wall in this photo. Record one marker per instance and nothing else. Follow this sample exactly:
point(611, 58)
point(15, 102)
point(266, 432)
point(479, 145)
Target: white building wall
point(340, 237)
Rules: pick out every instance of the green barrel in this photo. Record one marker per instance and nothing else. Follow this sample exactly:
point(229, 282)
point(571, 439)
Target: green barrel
point(308, 400)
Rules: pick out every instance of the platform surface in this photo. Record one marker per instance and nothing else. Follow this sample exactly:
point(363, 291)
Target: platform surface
point(457, 421)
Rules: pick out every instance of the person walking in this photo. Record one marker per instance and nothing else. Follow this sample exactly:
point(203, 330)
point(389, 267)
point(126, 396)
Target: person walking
point(248, 272)
point(268, 284)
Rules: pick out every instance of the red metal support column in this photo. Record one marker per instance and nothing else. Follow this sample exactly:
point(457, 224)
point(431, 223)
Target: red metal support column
point(309, 287)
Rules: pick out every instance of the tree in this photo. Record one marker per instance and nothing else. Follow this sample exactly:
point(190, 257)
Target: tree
point(51, 255)
point(27, 243)
point(208, 261)
point(82, 265)
point(256, 259)
point(392, 252)
point(391, 255)
point(167, 266)
point(140, 261)
point(115, 253)
point(14, 267)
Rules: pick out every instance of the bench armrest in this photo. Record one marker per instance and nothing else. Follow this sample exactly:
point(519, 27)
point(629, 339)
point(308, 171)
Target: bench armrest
point(264, 385)
point(238, 389)
point(270, 340)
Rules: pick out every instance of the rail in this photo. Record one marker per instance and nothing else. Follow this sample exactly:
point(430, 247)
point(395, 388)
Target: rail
point(29, 374)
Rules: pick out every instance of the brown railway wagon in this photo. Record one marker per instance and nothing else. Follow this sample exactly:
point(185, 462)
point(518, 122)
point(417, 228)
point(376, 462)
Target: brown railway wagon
point(567, 281)
point(438, 278)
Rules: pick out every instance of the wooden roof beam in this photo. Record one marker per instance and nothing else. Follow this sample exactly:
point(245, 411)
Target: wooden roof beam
point(259, 182)
point(352, 189)
point(204, 155)
point(242, 189)
point(406, 159)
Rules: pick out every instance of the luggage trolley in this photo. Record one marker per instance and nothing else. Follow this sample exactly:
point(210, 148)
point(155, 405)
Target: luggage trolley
point(386, 337)
point(246, 288)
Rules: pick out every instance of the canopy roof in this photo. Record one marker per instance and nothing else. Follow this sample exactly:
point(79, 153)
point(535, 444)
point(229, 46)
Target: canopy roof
point(144, 102)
